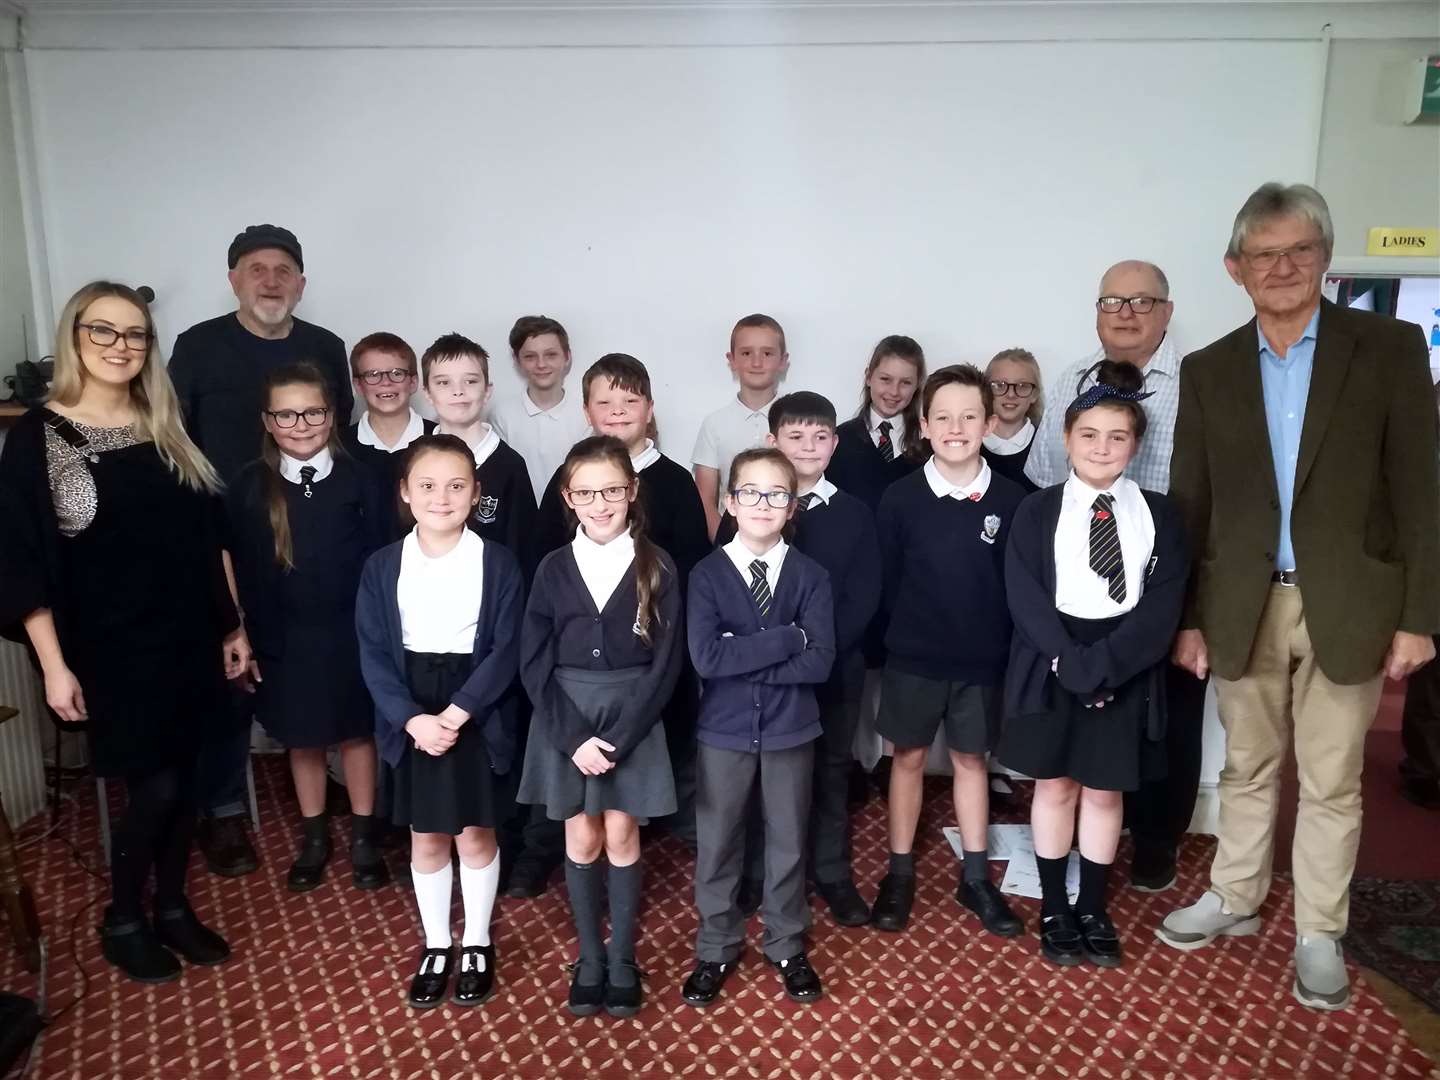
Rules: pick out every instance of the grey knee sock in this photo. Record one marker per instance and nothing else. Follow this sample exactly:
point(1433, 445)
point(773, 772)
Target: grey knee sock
point(624, 912)
point(585, 885)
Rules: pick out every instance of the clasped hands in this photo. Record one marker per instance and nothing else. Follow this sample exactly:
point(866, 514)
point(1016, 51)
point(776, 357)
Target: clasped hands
point(435, 733)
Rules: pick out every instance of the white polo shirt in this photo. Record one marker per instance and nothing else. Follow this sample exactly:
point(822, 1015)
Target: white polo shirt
point(726, 432)
point(541, 436)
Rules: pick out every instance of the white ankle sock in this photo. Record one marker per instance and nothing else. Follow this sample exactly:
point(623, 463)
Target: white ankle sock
point(478, 885)
point(432, 897)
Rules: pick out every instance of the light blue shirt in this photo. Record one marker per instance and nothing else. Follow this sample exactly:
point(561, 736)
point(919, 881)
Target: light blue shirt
point(1286, 385)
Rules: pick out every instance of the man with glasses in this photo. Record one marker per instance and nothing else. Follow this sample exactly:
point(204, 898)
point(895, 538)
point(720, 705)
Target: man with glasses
point(1132, 317)
point(1305, 467)
point(219, 368)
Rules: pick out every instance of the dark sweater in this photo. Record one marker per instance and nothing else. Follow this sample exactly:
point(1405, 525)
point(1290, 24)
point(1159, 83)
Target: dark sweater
point(219, 368)
point(489, 694)
point(760, 680)
point(1012, 466)
point(858, 468)
point(944, 564)
point(384, 467)
point(563, 629)
point(506, 510)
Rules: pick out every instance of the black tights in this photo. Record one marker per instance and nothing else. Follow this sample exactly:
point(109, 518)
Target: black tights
point(157, 829)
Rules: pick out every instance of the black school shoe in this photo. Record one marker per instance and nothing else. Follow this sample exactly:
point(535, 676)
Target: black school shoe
point(621, 1001)
point(476, 981)
point(584, 1000)
point(984, 899)
point(1099, 940)
point(427, 989)
point(308, 869)
point(180, 930)
point(1060, 940)
point(893, 904)
point(801, 982)
point(847, 906)
point(132, 947)
point(1152, 872)
point(226, 846)
point(703, 985)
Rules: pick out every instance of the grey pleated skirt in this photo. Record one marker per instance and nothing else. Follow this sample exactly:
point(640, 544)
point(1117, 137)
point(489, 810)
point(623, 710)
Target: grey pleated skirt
point(640, 785)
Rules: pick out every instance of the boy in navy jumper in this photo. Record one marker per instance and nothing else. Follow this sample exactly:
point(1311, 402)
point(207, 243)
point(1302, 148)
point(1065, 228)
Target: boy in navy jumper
point(942, 537)
point(837, 530)
point(762, 635)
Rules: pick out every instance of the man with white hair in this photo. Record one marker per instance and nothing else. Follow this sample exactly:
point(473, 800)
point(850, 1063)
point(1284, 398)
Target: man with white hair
point(1305, 467)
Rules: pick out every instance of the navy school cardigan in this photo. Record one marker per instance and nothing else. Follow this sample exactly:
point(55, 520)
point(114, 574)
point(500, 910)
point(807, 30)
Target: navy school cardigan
point(489, 694)
point(1142, 639)
point(760, 680)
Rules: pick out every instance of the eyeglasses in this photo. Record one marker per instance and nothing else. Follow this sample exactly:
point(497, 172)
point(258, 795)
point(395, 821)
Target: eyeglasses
point(1022, 389)
point(108, 335)
point(776, 500)
point(1300, 255)
point(586, 496)
point(394, 374)
point(1139, 305)
point(288, 418)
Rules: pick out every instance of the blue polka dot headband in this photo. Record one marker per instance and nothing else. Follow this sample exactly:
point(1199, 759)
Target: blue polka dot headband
point(1102, 392)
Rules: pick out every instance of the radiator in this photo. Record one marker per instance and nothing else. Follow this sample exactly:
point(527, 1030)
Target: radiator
point(22, 740)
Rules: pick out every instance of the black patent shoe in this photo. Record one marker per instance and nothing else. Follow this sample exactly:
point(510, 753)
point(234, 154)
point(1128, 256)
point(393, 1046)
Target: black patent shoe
point(625, 1000)
point(133, 948)
point(801, 982)
point(180, 930)
point(1060, 941)
point(476, 980)
point(586, 999)
point(984, 899)
point(427, 989)
point(893, 904)
point(703, 985)
point(1099, 940)
point(847, 906)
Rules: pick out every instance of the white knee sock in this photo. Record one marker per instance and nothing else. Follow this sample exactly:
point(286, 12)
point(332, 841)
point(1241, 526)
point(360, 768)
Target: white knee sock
point(478, 885)
point(432, 897)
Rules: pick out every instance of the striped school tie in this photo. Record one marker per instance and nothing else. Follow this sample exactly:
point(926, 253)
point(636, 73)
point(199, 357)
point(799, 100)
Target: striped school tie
point(759, 587)
point(885, 446)
point(1106, 558)
point(307, 476)
point(808, 500)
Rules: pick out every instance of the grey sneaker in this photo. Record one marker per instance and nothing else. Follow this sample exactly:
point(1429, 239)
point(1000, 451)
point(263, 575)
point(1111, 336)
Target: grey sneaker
point(1202, 922)
point(1320, 978)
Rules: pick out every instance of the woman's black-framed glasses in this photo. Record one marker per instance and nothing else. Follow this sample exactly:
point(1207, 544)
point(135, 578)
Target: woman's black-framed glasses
point(1022, 389)
point(288, 418)
point(103, 335)
point(776, 500)
point(585, 496)
point(394, 374)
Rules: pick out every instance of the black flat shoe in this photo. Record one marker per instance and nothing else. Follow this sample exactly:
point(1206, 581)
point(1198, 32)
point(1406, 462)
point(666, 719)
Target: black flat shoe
point(893, 904)
point(801, 982)
point(585, 999)
point(308, 869)
point(476, 981)
point(1060, 939)
point(703, 985)
point(529, 878)
point(368, 868)
point(133, 948)
point(984, 899)
point(749, 896)
point(1099, 940)
point(181, 931)
point(1151, 872)
point(226, 847)
point(625, 1000)
point(847, 906)
point(428, 987)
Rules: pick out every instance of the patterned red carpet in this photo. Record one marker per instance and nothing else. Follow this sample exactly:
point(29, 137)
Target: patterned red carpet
point(316, 990)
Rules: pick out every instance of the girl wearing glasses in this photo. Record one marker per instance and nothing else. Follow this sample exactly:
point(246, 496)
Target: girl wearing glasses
point(111, 571)
point(600, 652)
point(1014, 376)
point(303, 520)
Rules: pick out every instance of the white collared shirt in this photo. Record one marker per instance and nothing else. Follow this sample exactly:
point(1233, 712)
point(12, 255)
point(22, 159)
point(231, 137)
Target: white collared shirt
point(602, 566)
point(1079, 591)
point(742, 557)
point(541, 436)
point(999, 444)
point(897, 428)
point(646, 457)
point(323, 462)
point(365, 434)
point(974, 491)
point(488, 444)
point(728, 431)
point(823, 491)
point(439, 598)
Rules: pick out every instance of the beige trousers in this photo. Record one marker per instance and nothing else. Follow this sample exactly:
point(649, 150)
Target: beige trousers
point(1282, 691)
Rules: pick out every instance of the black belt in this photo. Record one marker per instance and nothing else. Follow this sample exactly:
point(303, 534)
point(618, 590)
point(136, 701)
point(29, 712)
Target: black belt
point(1289, 578)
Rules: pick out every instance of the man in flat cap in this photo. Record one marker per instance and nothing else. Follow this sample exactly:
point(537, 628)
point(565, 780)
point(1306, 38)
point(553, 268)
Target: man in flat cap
point(219, 368)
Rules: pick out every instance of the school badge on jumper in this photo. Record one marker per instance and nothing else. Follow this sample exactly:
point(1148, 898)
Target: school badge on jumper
point(486, 509)
point(992, 528)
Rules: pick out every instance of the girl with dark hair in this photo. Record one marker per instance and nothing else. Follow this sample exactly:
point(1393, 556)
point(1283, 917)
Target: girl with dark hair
point(600, 654)
point(883, 442)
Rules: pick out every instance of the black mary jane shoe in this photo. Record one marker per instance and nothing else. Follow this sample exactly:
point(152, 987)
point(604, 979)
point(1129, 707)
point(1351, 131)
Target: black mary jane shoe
point(703, 985)
point(1060, 941)
point(623, 1001)
point(847, 906)
point(427, 989)
point(131, 945)
point(180, 930)
point(801, 982)
point(984, 899)
point(476, 979)
point(1099, 940)
point(586, 999)
point(893, 903)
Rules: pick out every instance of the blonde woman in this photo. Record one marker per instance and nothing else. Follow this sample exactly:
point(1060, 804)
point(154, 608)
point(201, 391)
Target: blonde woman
point(111, 571)
point(1014, 376)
